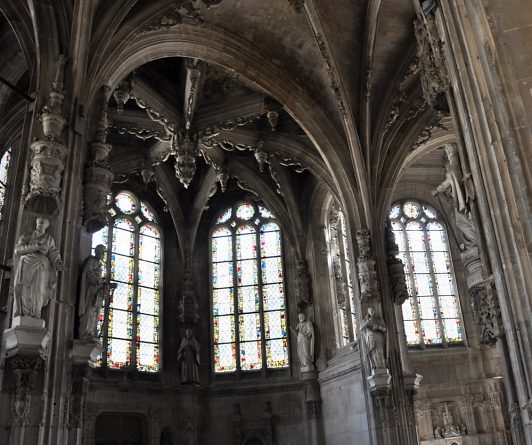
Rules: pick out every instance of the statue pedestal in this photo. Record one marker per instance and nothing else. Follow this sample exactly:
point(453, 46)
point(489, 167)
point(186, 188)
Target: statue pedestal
point(379, 379)
point(86, 351)
point(412, 381)
point(27, 336)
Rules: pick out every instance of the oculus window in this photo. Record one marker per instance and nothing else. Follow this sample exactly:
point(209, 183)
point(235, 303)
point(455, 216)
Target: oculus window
point(248, 300)
point(431, 315)
point(128, 324)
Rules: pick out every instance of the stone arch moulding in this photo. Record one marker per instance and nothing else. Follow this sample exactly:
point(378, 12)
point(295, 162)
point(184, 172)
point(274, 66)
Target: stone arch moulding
point(231, 52)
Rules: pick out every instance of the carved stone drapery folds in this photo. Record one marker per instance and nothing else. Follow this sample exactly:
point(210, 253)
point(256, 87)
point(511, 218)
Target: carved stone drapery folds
point(98, 175)
point(48, 154)
point(434, 74)
point(396, 268)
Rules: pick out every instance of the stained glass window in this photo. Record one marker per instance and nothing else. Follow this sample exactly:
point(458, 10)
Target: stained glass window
point(432, 313)
point(128, 323)
point(4, 169)
point(344, 302)
point(248, 303)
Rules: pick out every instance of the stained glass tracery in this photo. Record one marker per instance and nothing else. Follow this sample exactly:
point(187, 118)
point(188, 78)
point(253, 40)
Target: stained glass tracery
point(431, 315)
point(128, 323)
point(4, 169)
point(249, 322)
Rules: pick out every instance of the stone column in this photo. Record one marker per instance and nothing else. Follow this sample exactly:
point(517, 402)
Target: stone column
point(26, 345)
point(315, 434)
point(485, 107)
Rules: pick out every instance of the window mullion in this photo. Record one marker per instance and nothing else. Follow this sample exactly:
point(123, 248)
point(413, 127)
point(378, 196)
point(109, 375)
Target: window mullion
point(108, 299)
point(135, 299)
point(261, 301)
point(236, 314)
point(413, 286)
point(435, 295)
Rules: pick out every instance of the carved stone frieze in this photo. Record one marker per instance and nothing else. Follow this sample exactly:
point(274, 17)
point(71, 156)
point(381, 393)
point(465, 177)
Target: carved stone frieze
point(396, 269)
point(188, 311)
point(80, 386)
point(434, 73)
point(367, 275)
point(298, 5)
point(302, 283)
point(47, 165)
point(24, 372)
point(486, 311)
point(332, 76)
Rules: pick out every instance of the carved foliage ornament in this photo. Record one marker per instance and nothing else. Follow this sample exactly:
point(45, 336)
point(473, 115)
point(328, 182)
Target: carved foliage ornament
point(434, 75)
point(396, 268)
point(48, 154)
point(98, 175)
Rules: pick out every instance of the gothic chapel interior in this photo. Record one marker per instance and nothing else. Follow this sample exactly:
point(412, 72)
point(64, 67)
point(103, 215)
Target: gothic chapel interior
point(284, 222)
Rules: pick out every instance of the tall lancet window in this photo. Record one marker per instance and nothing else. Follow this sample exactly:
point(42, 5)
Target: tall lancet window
point(432, 313)
point(4, 170)
point(128, 323)
point(248, 301)
point(342, 279)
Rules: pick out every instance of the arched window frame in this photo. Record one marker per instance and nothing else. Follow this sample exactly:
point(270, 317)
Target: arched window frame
point(341, 276)
point(142, 216)
point(5, 164)
point(261, 216)
point(400, 216)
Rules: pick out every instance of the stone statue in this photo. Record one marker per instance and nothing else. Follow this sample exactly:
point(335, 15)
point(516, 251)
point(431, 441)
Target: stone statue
point(37, 262)
point(454, 180)
point(188, 358)
point(375, 335)
point(305, 343)
point(91, 293)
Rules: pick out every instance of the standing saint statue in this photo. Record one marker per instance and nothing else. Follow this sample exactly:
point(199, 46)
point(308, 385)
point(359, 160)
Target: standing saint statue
point(305, 343)
point(375, 335)
point(453, 184)
point(91, 292)
point(188, 358)
point(37, 262)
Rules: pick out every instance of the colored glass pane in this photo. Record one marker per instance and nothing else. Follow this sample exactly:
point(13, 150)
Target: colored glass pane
point(238, 336)
point(246, 272)
point(270, 240)
point(272, 270)
point(146, 212)
point(411, 210)
point(126, 203)
point(132, 333)
point(148, 301)
point(248, 299)
point(250, 355)
point(265, 213)
point(222, 248)
point(424, 250)
point(223, 301)
point(224, 357)
point(245, 211)
point(224, 216)
point(246, 242)
point(277, 353)
point(222, 274)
